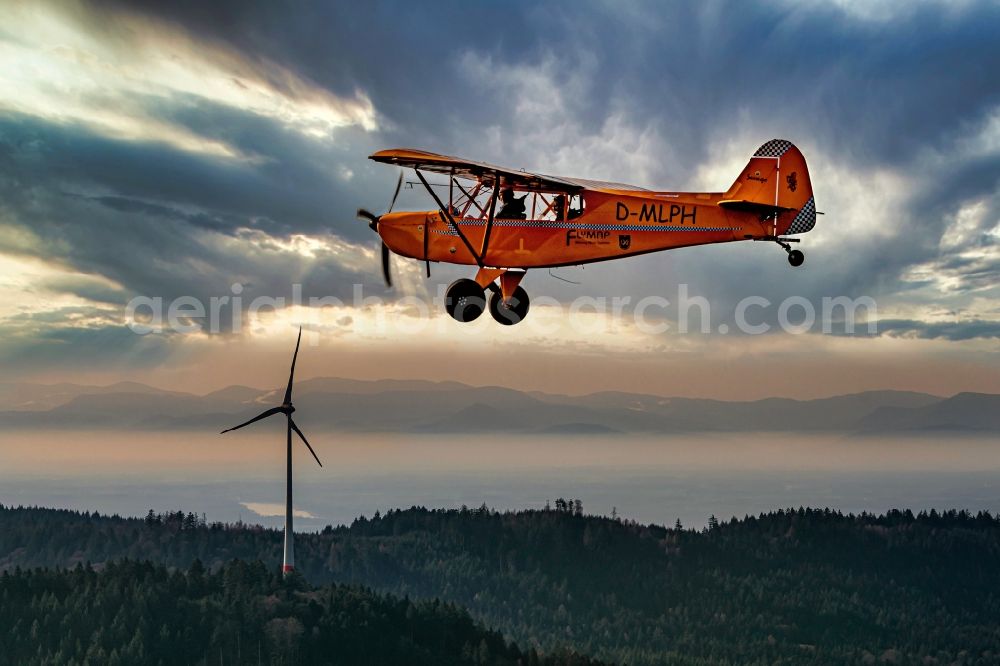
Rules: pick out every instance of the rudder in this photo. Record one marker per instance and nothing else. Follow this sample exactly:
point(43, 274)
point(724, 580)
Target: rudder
point(776, 177)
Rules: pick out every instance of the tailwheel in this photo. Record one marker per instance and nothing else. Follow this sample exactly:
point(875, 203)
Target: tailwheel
point(465, 300)
point(511, 312)
point(795, 257)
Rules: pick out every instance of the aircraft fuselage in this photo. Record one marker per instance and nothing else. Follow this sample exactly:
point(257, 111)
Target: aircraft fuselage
point(611, 227)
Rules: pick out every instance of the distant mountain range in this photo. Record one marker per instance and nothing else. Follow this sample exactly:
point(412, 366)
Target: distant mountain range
point(415, 406)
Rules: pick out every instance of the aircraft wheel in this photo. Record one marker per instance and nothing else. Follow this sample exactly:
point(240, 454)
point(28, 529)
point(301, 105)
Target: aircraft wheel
point(512, 313)
point(465, 300)
point(795, 258)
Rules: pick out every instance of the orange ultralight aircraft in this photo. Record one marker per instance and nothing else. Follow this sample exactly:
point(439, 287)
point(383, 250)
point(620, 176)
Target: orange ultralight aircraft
point(559, 221)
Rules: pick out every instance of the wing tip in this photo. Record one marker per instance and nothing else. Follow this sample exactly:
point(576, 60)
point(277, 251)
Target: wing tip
point(392, 155)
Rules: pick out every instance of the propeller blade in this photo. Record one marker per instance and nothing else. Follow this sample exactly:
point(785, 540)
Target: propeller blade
point(385, 266)
point(291, 374)
point(371, 217)
point(304, 440)
point(263, 415)
point(399, 184)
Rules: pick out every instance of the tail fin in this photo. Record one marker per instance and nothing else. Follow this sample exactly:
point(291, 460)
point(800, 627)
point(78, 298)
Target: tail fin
point(776, 178)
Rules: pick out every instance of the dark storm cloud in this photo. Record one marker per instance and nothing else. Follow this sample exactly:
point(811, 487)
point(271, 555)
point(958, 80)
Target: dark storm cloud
point(294, 185)
point(88, 289)
point(401, 54)
point(51, 176)
point(878, 90)
point(882, 92)
point(107, 347)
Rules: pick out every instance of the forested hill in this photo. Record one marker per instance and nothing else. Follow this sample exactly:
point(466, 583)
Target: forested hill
point(802, 586)
point(140, 613)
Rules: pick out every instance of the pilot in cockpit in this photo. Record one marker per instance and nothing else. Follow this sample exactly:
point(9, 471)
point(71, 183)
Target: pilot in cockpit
point(513, 207)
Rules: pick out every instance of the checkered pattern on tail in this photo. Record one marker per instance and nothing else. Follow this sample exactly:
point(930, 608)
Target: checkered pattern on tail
point(773, 148)
point(805, 220)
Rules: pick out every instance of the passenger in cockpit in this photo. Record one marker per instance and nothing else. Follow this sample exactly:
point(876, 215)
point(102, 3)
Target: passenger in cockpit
point(559, 207)
point(576, 212)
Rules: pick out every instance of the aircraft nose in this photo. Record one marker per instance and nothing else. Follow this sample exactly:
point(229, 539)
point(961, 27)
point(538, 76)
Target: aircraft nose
point(403, 232)
point(391, 222)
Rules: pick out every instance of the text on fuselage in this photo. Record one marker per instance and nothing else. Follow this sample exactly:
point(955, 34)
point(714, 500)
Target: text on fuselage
point(662, 213)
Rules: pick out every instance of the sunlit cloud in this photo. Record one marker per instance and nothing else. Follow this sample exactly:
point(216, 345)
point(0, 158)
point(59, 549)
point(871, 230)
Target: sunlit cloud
point(353, 256)
point(589, 326)
point(35, 289)
point(119, 79)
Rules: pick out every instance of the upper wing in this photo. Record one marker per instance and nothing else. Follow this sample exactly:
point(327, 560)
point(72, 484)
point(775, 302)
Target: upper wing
point(485, 173)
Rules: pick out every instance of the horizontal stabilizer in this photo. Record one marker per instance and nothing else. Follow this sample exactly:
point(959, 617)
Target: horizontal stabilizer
point(752, 206)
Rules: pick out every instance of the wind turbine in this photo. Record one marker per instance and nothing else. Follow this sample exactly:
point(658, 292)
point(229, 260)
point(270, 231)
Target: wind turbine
point(286, 408)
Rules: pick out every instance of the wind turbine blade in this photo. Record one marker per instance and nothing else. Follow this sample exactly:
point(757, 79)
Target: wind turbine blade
point(399, 184)
point(291, 374)
point(263, 415)
point(304, 440)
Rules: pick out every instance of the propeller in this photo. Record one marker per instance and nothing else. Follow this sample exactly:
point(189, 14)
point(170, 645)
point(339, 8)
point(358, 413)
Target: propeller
point(371, 217)
point(395, 195)
point(285, 408)
point(373, 224)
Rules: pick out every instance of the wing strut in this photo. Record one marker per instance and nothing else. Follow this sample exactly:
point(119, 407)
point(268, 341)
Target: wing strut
point(489, 220)
point(447, 216)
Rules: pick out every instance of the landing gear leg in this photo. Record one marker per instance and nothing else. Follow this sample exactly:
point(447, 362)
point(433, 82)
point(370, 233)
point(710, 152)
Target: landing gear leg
point(509, 301)
point(795, 257)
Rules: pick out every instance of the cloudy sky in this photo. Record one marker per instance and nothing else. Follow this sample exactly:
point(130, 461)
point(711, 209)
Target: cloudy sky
point(172, 150)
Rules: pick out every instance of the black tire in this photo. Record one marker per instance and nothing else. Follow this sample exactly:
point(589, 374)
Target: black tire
point(465, 300)
point(795, 258)
point(512, 313)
